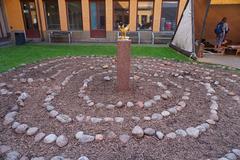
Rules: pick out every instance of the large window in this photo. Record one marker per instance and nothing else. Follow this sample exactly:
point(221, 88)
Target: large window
point(169, 15)
point(74, 10)
point(145, 15)
point(52, 13)
point(120, 13)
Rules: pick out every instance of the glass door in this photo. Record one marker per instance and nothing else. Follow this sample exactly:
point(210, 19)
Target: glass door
point(97, 19)
point(30, 18)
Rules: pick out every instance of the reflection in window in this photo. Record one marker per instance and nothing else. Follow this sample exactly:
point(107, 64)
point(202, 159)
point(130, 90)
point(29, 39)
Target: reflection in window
point(120, 13)
point(169, 15)
point(145, 15)
point(52, 13)
point(74, 14)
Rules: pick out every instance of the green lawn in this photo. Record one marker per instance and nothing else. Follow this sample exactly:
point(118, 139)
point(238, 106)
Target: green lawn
point(14, 56)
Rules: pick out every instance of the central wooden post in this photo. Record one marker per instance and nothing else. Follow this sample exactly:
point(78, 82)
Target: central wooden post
point(123, 64)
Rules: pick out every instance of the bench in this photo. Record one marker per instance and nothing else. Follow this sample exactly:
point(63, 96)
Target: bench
point(166, 36)
point(60, 34)
point(237, 47)
point(232, 47)
point(134, 36)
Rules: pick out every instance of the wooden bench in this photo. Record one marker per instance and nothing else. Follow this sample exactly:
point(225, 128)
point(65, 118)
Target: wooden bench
point(134, 36)
point(166, 36)
point(60, 34)
point(237, 47)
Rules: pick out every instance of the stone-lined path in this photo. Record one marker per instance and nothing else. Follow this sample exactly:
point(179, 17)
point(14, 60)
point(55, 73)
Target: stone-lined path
point(68, 108)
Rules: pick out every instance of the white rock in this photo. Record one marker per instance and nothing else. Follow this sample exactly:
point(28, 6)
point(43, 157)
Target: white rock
point(149, 131)
point(205, 125)
point(214, 117)
point(29, 80)
point(214, 105)
point(168, 93)
point(157, 98)
point(236, 151)
point(185, 98)
point(193, 132)
point(164, 96)
point(11, 115)
point(53, 113)
point(39, 137)
point(38, 158)
point(63, 118)
point(61, 141)
point(4, 92)
point(165, 113)
point(24, 158)
point(119, 119)
point(156, 116)
point(110, 106)
point(172, 110)
point(171, 135)
point(99, 105)
point(50, 138)
point(98, 137)
point(107, 78)
point(22, 128)
point(50, 108)
point(3, 85)
point(85, 138)
point(138, 131)
point(147, 118)
point(13, 155)
point(96, 120)
point(8, 121)
point(119, 104)
point(210, 121)
point(181, 132)
point(31, 131)
point(159, 135)
point(124, 138)
point(236, 98)
point(108, 119)
point(15, 125)
point(83, 158)
point(231, 156)
point(90, 104)
point(80, 118)
point(182, 104)
point(136, 118)
point(4, 149)
point(78, 134)
point(148, 104)
point(57, 158)
point(130, 104)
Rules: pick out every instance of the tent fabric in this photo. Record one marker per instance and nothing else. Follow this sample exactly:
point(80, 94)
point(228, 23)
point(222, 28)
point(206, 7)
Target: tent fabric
point(184, 35)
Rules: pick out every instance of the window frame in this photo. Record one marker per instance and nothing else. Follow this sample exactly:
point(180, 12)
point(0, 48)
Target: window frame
point(68, 24)
point(129, 8)
point(145, 30)
point(162, 13)
point(46, 20)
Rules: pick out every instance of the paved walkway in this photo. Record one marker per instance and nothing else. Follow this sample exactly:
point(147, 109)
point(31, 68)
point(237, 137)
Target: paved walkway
point(227, 60)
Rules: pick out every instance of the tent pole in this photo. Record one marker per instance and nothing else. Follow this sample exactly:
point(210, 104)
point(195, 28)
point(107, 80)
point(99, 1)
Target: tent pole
point(205, 21)
point(193, 31)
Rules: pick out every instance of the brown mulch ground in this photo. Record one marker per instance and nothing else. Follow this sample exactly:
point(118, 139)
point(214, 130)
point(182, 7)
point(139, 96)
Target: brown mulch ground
point(217, 141)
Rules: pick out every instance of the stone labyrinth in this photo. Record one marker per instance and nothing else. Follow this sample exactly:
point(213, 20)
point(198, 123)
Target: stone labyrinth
point(68, 108)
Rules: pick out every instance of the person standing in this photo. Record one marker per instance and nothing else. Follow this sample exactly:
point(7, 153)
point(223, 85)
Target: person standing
point(221, 30)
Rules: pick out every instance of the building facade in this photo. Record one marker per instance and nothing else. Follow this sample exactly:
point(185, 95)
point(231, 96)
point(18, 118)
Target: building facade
point(91, 20)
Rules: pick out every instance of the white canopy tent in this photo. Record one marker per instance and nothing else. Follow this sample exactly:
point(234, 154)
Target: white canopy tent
point(190, 27)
